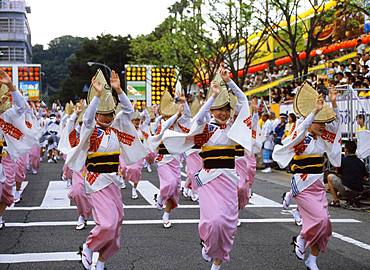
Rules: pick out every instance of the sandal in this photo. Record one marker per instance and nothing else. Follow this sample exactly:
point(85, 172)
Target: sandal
point(334, 204)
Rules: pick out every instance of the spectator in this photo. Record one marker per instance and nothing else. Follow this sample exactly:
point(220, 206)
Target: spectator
point(350, 178)
point(361, 48)
point(360, 119)
point(268, 146)
point(280, 128)
point(290, 126)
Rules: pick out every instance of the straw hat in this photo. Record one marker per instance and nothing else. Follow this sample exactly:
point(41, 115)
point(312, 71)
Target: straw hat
point(223, 99)
point(195, 106)
point(305, 101)
point(69, 108)
point(107, 103)
point(7, 104)
point(167, 107)
point(136, 115)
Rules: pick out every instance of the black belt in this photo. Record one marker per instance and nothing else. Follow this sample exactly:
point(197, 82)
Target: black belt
point(239, 150)
point(162, 150)
point(102, 162)
point(218, 157)
point(308, 164)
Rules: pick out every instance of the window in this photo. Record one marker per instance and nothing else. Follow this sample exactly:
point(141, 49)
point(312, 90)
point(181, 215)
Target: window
point(8, 25)
point(12, 54)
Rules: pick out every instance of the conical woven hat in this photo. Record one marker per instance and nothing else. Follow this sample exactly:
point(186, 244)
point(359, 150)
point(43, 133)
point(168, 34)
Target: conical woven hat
point(68, 108)
point(107, 102)
point(81, 116)
point(223, 99)
point(136, 115)
point(167, 107)
point(7, 102)
point(195, 106)
point(305, 101)
point(233, 101)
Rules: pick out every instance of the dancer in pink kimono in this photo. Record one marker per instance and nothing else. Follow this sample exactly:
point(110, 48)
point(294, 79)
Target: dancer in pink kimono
point(70, 137)
point(15, 139)
point(168, 169)
point(217, 181)
point(103, 139)
point(133, 172)
point(318, 134)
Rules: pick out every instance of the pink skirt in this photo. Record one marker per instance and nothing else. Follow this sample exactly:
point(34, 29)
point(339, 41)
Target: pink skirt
point(194, 164)
point(20, 172)
point(67, 172)
point(132, 172)
point(170, 181)
point(34, 155)
point(150, 158)
point(105, 237)
point(218, 201)
point(313, 207)
point(7, 186)
point(79, 196)
point(246, 169)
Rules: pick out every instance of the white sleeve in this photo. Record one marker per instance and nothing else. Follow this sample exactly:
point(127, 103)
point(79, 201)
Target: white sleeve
point(89, 116)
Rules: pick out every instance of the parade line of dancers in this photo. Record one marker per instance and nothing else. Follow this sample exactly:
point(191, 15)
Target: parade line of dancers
point(105, 144)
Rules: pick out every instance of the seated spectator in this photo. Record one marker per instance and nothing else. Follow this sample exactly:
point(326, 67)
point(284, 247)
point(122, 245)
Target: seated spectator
point(360, 119)
point(290, 126)
point(351, 175)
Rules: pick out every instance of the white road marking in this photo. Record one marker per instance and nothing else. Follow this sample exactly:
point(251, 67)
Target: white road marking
point(44, 257)
point(174, 221)
point(56, 195)
point(183, 206)
point(260, 200)
point(351, 241)
point(147, 190)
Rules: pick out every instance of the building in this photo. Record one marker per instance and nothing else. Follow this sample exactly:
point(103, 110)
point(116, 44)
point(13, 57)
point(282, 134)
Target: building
point(15, 34)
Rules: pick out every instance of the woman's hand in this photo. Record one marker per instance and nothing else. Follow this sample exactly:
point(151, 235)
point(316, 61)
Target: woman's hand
point(115, 83)
point(98, 87)
point(333, 93)
point(215, 89)
point(225, 75)
point(319, 104)
point(78, 108)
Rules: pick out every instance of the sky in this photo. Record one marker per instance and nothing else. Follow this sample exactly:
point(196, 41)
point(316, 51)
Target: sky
point(88, 18)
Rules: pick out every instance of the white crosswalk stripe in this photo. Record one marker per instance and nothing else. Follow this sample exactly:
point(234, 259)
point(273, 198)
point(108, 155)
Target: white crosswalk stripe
point(56, 195)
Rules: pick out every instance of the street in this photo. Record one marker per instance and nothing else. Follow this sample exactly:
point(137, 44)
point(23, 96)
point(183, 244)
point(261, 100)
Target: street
point(40, 231)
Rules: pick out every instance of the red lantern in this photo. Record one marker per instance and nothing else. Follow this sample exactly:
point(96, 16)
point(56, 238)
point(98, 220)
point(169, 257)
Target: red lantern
point(302, 55)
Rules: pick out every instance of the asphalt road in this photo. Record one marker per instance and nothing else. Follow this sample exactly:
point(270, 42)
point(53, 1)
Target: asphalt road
point(262, 242)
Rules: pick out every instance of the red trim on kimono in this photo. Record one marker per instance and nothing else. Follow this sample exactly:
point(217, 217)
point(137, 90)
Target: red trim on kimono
point(28, 124)
point(95, 140)
point(123, 137)
point(91, 177)
point(10, 129)
point(73, 138)
point(183, 128)
point(145, 135)
point(328, 136)
point(203, 138)
point(300, 147)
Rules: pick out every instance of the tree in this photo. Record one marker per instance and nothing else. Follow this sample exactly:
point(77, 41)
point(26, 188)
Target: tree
point(107, 49)
point(53, 59)
point(293, 34)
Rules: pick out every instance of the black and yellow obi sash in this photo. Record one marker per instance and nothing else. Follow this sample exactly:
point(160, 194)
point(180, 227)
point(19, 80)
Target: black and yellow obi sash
point(162, 150)
point(307, 164)
point(239, 150)
point(1, 149)
point(103, 162)
point(218, 157)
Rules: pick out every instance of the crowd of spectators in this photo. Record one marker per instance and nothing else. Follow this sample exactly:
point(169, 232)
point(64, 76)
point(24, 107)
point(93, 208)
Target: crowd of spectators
point(354, 72)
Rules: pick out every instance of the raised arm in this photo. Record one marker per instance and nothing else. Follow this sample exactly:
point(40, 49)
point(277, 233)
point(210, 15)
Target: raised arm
point(126, 106)
point(89, 116)
point(202, 116)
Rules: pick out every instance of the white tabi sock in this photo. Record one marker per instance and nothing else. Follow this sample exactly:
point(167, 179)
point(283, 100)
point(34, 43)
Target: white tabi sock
point(215, 267)
point(1, 219)
point(312, 258)
point(166, 216)
point(81, 220)
point(99, 265)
